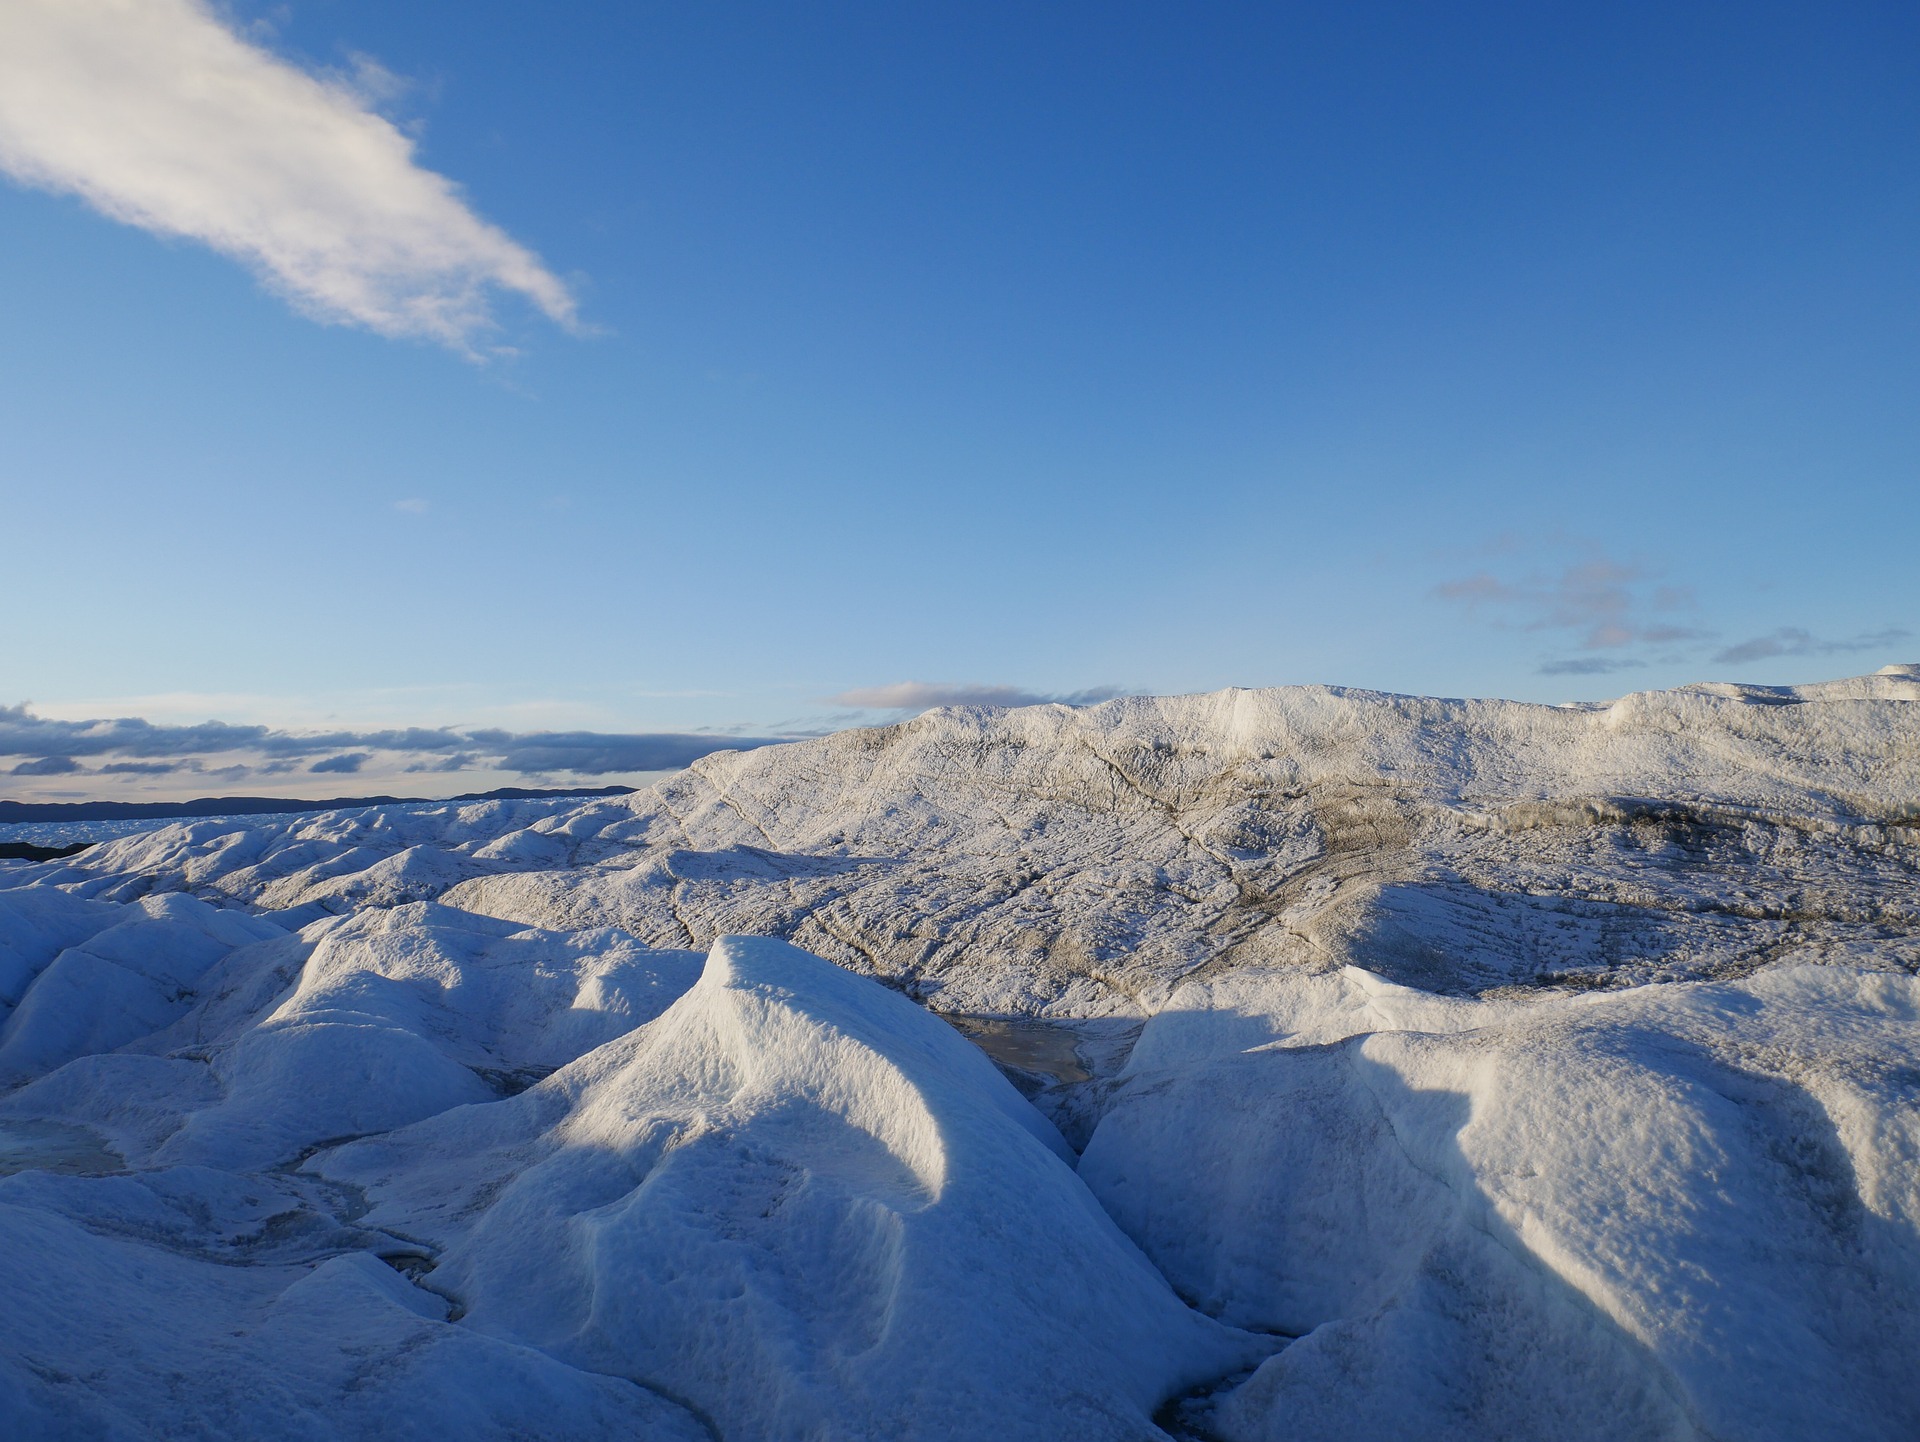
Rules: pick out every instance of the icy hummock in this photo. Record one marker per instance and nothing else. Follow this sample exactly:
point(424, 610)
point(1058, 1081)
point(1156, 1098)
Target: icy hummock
point(1664, 1211)
point(1369, 1067)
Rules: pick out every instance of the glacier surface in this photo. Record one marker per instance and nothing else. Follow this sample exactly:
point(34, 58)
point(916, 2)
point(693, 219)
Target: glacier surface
point(1367, 1067)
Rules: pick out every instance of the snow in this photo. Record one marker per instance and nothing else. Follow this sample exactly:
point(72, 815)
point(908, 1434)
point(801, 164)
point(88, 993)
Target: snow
point(1386, 1067)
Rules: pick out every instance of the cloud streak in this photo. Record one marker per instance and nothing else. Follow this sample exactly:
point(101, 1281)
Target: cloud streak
point(1793, 641)
point(344, 764)
point(159, 116)
point(920, 695)
point(1588, 666)
point(47, 766)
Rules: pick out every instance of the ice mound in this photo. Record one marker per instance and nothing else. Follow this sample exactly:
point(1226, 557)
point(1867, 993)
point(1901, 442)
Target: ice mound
point(1686, 1211)
point(105, 1337)
point(354, 1025)
point(400, 1014)
point(169, 1270)
point(80, 977)
point(806, 1208)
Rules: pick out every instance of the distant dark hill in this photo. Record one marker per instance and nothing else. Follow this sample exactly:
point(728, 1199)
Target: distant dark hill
point(11, 811)
point(27, 851)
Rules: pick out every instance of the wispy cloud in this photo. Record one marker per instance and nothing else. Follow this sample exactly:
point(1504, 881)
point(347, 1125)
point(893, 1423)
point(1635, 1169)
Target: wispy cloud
point(158, 115)
point(148, 768)
point(1602, 602)
point(920, 695)
point(1793, 641)
point(1615, 615)
point(1598, 606)
point(1588, 666)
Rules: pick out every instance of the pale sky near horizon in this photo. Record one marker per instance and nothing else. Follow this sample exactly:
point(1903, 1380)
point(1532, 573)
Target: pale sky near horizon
point(521, 394)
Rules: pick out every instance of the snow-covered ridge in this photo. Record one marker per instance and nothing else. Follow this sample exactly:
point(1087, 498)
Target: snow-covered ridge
point(1454, 1069)
point(1083, 861)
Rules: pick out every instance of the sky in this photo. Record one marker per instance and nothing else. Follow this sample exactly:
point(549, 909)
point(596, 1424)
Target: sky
point(574, 388)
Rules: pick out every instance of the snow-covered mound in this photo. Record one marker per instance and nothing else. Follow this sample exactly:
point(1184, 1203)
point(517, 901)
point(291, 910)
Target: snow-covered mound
point(806, 1208)
point(78, 977)
point(1670, 1211)
point(170, 1271)
point(1470, 1069)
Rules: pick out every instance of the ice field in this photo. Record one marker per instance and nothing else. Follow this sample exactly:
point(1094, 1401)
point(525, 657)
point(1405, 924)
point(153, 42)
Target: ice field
point(1292, 1064)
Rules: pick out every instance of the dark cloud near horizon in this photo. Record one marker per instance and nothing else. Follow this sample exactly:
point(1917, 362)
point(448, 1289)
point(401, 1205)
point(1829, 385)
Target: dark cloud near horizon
point(47, 766)
point(55, 747)
point(459, 761)
point(24, 734)
point(921, 695)
point(1796, 641)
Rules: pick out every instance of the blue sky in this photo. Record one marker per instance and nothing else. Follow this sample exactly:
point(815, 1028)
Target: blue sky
point(768, 355)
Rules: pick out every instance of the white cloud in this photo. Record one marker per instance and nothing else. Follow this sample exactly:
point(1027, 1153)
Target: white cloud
point(158, 115)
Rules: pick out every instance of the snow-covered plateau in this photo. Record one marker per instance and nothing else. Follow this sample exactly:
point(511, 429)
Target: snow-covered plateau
point(1289, 1064)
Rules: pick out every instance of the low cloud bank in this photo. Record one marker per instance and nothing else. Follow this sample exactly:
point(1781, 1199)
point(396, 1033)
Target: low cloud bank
point(127, 746)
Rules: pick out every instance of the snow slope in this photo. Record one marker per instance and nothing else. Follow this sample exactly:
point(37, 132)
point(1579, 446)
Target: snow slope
point(1439, 1068)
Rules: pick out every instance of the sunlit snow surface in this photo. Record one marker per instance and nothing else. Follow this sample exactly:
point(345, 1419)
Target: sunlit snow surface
point(1369, 1067)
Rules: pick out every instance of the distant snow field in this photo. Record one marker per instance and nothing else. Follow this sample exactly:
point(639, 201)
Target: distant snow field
point(72, 833)
point(1291, 1064)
